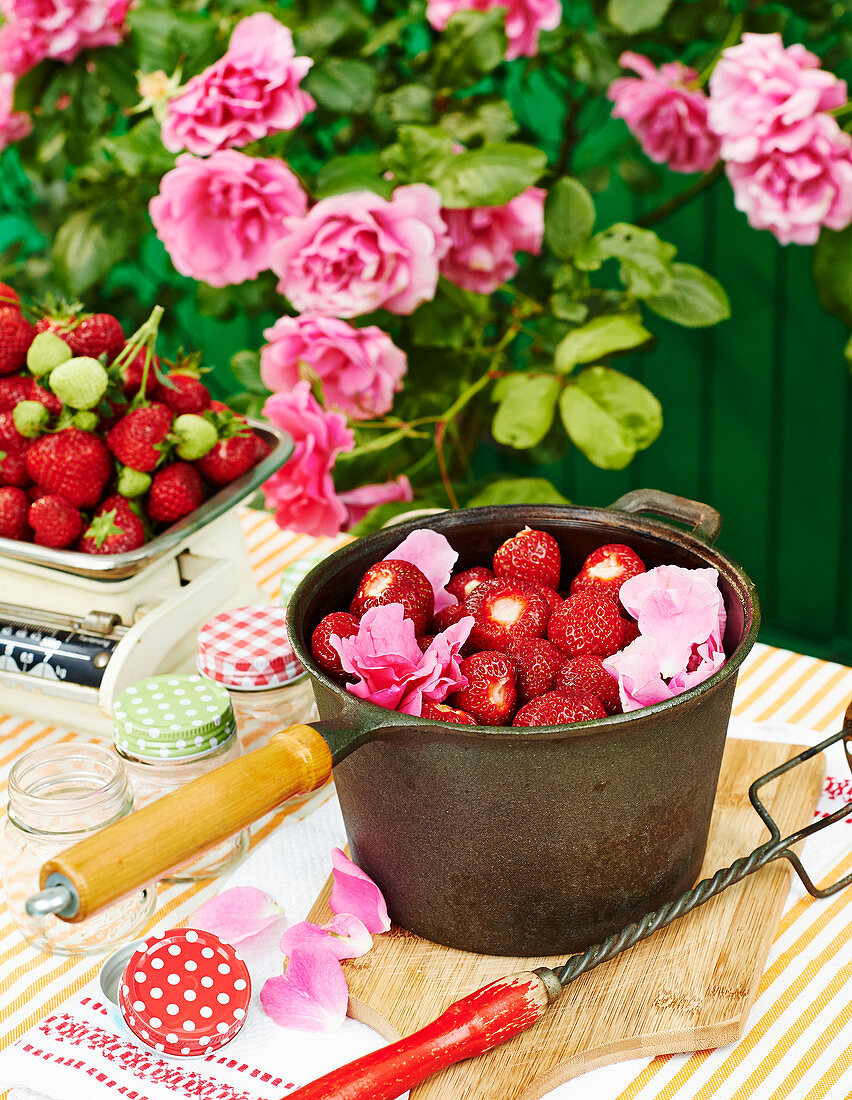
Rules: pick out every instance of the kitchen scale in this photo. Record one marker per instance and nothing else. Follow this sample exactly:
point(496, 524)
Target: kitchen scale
point(77, 629)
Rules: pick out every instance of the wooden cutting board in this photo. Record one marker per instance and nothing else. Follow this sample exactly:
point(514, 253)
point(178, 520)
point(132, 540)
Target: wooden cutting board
point(688, 987)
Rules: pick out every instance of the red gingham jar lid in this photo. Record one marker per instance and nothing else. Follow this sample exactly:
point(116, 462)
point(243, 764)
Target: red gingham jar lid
point(185, 993)
point(247, 648)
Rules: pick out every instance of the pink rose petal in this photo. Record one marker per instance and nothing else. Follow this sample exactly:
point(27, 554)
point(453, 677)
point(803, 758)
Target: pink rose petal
point(434, 557)
point(311, 995)
point(637, 669)
point(237, 914)
point(345, 935)
point(355, 893)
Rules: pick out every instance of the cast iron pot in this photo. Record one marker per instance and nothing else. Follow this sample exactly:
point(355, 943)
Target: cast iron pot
point(544, 841)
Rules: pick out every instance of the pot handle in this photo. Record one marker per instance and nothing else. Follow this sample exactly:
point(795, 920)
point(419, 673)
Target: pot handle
point(705, 521)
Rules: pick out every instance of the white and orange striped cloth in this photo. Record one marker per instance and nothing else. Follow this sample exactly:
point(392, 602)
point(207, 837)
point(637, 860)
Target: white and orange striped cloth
point(798, 1042)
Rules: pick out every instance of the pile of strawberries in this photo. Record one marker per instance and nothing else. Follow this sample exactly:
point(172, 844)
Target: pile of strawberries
point(100, 448)
point(534, 655)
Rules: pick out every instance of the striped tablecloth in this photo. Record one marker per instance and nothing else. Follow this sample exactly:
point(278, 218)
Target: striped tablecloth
point(798, 1044)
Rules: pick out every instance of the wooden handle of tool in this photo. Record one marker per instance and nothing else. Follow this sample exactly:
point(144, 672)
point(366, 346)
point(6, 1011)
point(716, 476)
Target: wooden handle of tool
point(478, 1022)
point(148, 843)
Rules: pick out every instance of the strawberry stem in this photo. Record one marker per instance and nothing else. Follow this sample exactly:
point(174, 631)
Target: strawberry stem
point(145, 336)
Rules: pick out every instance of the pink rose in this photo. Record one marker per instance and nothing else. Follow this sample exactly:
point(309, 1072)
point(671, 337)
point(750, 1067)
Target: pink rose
point(250, 92)
point(524, 19)
point(794, 194)
point(302, 492)
point(484, 240)
point(14, 125)
point(668, 119)
point(765, 97)
point(220, 217)
point(360, 368)
point(358, 252)
point(60, 29)
point(361, 501)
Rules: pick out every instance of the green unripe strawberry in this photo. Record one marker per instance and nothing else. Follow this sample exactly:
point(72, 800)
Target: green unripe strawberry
point(195, 436)
point(30, 417)
point(133, 483)
point(86, 421)
point(46, 352)
point(80, 382)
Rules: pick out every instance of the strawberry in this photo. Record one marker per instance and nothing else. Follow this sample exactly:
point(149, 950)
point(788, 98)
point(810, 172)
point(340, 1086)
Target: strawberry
point(490, 695)
point(175, 491)
point(8, 297)
point(95, 334)
point(55, 521)
point(261, 448)
point(50, 401)
point(424, 641)
point(183, 393)
point(553, 598)
point(326, 656)
point(73, 463)
point(440, 712)
point(607, 568)
point(16, 335)
point(228, 459)
point(538, 662)
point(447, 616)
point(631, 631)
point(587, 623)
point(532, 555)
point(80, 382)
point(13, 450)
point(115, 529)
point(588, 674)
point(14, 388)
point(46, 352)
point(136, 439)
point(132, 370)
point(509, 610)
point(560, 708)
point(393, 581)
point(14, 504)
point(462, 584)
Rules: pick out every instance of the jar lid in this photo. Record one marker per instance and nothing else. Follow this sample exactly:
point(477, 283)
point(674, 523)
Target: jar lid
point(185, 992)
point(248, 648)
point(173, 718)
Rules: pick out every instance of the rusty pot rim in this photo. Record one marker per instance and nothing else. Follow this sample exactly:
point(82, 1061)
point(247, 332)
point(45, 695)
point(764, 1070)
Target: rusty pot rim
point(378, 717)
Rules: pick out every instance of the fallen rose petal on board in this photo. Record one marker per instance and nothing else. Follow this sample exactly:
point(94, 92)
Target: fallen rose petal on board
point(345, 935)
point(311, 995)
point(355, 892)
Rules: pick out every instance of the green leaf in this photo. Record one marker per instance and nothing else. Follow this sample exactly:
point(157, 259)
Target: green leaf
point(489, 176)
point(449, 319)
point(847, 353)
point(695, 300)
point(89, 244)
point(328, 23)
point(362, 172)
point(633, 16)
point(416, 153)
point(569, 217)
point(567, 308)
point(645, 261)
point(518, 490)
point(492, 120)
point(472, 44)
point(140, 151)
point(526, 411)
point(345, 86)
point(833, 272)
point(609, 416)
point(639, 175)
point(245, 367)
point(407, 103)
point(599, 337)
point(165, 37)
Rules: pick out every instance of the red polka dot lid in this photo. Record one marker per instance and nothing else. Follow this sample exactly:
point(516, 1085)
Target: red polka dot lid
point(185, 993)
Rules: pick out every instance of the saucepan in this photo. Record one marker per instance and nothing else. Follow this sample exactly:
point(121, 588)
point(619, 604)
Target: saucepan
point(496, 840)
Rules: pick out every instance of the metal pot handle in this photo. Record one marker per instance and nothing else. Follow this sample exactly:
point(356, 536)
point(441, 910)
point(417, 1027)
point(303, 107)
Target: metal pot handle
point(706, 521)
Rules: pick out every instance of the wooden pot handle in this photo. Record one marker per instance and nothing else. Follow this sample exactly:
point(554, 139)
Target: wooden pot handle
point(150, 842)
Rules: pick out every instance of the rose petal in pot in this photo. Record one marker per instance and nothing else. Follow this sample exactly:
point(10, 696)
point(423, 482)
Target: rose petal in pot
point(345, 935)
point(355, 892)
point(431, 552)
point(311, 995)
point(238, 913)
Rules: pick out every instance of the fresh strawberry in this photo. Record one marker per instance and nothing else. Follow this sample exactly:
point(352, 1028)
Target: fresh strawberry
point(115, 529)
point(228, 459)
point(462, 584)
point(424, 641)
point(340, 623)
point(532, 555)
point(14, 504)
point(175, 491)
point(553, 598)
point(393, 581)
point(560, 708)
point(490, 695)
point(131, 374)
point(261, 447)
point(16, 335)
point(55, 323)
point(55, 521)
point(9, 297)
point(607, 568)
point(95, 334)
point(73, 463)
point(447, 616)
point(136, 439)
point(13, 451)
point(631, 631)
point(183, 393)
point(50, 401)
point(511, 609)
point(222, 408)
point(587, 623)
point(588, 674)
point(537, 661)
point(440, 712)
point(14, 388)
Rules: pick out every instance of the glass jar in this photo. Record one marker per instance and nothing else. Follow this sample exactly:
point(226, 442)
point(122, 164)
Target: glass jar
point(59, 795)
point(169, 730)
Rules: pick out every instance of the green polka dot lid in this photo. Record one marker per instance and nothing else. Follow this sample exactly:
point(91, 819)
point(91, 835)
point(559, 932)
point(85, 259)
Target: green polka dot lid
point(173, 718)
